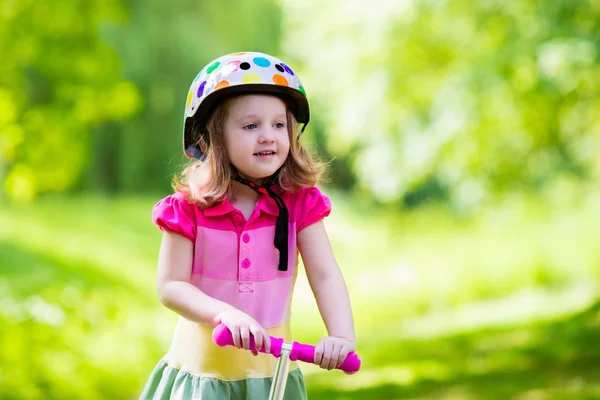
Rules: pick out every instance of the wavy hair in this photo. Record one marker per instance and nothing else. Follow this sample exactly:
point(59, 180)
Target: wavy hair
point(209, 182)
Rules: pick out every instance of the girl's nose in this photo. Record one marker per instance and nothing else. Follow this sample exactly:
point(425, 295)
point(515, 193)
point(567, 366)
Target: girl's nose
point(266, 135)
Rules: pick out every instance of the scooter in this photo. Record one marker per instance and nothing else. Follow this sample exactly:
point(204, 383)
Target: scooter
point(284, 352)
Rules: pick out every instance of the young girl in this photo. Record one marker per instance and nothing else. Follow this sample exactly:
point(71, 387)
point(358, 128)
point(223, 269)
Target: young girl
point(232, 231)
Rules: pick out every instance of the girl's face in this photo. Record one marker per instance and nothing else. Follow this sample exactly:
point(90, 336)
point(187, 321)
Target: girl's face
point(256, 135)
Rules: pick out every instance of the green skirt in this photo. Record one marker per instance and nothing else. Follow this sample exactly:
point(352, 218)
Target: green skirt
point(170, 383)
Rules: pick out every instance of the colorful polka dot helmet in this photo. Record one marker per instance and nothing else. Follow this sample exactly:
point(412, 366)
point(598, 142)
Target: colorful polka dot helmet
point(238, 73)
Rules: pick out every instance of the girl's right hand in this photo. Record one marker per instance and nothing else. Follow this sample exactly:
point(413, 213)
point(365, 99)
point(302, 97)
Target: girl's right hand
point(242, 326)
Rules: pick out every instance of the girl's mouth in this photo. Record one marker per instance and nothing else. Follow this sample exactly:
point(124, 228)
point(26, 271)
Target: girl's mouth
point(265, 154)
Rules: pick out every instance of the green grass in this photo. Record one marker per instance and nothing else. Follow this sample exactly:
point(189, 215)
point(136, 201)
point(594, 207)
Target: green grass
point(499, 305)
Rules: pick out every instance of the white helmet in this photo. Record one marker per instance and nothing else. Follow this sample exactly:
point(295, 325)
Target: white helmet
point(238, 73)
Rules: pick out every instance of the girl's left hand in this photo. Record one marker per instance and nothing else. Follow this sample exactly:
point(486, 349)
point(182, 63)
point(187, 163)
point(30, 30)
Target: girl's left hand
point(331, 351)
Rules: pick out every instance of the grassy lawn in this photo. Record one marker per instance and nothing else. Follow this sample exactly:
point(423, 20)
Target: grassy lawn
point(500, 305)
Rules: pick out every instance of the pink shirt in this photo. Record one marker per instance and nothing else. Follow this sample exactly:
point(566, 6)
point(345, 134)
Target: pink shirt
point(235, 259)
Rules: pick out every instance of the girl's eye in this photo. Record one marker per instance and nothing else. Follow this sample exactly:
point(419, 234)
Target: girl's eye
point(279, 125)
point(249, 126)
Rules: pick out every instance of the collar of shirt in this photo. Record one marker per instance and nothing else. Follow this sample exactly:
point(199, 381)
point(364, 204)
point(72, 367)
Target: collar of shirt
point(265, 203)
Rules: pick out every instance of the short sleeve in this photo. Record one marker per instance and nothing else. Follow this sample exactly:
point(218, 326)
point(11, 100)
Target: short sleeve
point(312, 207)
point(175, 214)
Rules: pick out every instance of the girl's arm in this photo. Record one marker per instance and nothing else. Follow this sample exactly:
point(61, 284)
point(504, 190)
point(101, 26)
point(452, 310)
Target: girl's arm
point(172, 282)
point(175, 292)
point(328, 286)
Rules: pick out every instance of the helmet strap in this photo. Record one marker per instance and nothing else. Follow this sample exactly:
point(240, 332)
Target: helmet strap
point(196, 153)
point(281, 224)
point(301, 132)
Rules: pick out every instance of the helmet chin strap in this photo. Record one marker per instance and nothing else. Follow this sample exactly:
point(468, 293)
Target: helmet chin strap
point(281, 225)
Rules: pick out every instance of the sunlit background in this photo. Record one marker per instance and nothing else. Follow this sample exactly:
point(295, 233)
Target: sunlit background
point(463, 138)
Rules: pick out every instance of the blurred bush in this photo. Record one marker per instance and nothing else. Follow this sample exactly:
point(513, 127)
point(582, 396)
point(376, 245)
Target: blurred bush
point(57, 80)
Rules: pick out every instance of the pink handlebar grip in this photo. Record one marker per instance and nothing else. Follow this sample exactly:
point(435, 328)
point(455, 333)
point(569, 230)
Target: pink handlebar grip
point(303, 352)
point(306, 353)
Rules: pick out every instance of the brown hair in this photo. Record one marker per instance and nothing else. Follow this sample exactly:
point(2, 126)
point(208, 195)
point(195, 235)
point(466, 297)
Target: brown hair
point(208, 182)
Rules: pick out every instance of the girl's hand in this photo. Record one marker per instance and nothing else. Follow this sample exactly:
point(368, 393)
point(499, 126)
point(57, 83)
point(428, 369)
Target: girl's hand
point(331, 351)
point(242, 326)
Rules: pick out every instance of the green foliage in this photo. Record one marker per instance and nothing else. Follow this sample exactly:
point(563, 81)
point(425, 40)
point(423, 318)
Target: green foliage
point(162, 49)
point(443, 306)
point(414, 100)
point(61, 79)
point(79, 318)
point(57, 79)
point(551, 360)
point(479, 97)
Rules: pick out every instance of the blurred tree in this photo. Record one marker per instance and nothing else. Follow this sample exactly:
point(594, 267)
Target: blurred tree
point(453, 98)
point(57, 79)
point(413, 99)
point(162, 49)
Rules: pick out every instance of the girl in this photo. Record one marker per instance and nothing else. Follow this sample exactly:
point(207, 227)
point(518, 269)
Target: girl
point(232, 231)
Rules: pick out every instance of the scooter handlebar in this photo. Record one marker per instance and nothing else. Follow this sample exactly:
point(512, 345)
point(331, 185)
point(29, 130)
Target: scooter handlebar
point(303, 352)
